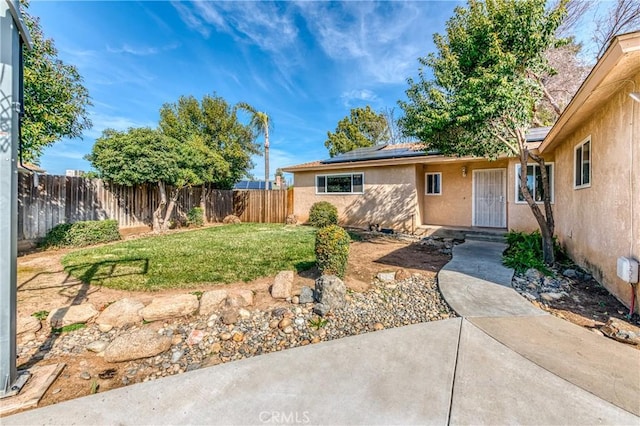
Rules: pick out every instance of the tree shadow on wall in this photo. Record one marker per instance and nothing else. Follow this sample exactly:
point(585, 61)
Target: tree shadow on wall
point(390, 206)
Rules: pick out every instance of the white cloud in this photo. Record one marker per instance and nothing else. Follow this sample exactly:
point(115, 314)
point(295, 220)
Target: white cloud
point(141, 50)
point(359, 95)
point(382, 40)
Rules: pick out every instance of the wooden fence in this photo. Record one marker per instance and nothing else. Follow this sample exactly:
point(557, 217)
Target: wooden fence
point(45, 201)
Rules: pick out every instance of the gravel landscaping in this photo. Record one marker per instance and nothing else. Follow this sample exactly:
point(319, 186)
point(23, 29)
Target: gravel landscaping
point(202, 341)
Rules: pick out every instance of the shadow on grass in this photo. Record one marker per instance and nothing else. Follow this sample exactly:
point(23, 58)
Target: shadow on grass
point(106, 269)
point(304, 265)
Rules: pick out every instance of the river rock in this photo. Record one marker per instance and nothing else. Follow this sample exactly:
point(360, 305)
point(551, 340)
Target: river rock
point(306, 295)
point(211, 301)
point(282, 285)
point(166, 307)
point(386, 277)
point(239, 299)
point(141, 343)
point(121, 313)
point(75, 314)
point(330, 291)
point(27, 325)
point(97, 346)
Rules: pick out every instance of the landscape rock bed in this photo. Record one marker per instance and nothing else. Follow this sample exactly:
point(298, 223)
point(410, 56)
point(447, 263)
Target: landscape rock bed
point(198, 341)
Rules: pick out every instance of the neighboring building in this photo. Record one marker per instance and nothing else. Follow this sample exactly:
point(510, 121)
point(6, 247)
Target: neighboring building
point(279, 183)
point(30, 168)
point(74, 173)
point(592, 153)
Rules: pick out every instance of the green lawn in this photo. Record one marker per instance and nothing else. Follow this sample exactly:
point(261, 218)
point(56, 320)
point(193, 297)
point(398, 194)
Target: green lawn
point(222, 254)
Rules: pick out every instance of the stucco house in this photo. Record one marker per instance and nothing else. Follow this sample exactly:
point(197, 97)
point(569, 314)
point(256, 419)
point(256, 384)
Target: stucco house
point(592, 154)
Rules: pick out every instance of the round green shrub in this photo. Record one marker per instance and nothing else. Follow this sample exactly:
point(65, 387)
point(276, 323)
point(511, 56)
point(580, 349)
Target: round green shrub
point(84, 233)
point(322, 214)
point(195, 217)
point(332, 250)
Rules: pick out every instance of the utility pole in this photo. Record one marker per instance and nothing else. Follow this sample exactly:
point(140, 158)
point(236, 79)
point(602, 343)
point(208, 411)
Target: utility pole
point(13, 35)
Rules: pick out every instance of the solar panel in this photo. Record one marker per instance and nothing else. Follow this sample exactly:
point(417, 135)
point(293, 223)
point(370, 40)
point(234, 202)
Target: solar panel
point(377, 154)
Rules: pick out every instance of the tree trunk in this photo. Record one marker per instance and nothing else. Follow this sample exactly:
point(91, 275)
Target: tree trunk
point(203, 201)
point(266, 158)
point(157, 222)
point(545, 221)
point(170, 208)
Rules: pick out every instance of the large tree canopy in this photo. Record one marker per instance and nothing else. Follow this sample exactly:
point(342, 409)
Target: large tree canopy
point(363, 127)
point(55, 101)
point(212, 128)
point(486, 86)
point(196, 144)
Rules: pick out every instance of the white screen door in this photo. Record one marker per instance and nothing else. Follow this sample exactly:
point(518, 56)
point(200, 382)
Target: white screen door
point(489, 193)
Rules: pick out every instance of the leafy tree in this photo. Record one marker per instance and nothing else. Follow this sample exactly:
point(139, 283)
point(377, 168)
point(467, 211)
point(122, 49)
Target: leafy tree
point(486, 86)
point(135, 157)
point(260, 123)
point(212, 128)
point(197, 143)
point(363, 127)
point(55, 101)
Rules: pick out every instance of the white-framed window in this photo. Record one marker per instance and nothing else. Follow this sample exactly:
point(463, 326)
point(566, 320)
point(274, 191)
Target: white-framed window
point(582, 164)
point(433, 183)
point(534, 182)
point(344, 183)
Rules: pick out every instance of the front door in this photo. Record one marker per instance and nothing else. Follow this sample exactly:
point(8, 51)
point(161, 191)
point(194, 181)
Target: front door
point(489, 198)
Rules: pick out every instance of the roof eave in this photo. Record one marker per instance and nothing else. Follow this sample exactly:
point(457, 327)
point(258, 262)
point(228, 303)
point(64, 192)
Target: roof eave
point(619, 47)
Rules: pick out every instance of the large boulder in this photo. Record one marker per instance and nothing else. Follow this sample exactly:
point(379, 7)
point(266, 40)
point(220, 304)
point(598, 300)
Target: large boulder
point(74, 314)
point(166, 307)
point(239, 299)
point(330, 291)
point(141, 343)
point(27, 325)
point(121, 313)
point(282, 285)
point(211, 301)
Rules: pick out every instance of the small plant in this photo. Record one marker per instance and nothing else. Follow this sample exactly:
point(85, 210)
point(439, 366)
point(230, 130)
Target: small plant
point(323, 214)
point(317, 323)
point(84, 233)
point(198, 294)
point(40, 315)
point(524, 251)
point(94, 387)
point(332, 250)
point(68, 328)
point(195, 217)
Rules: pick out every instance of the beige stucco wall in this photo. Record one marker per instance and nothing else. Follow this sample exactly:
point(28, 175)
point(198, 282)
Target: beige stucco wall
point(519, 215)
point(602, 222)
point(454, 206)
point(390, 197)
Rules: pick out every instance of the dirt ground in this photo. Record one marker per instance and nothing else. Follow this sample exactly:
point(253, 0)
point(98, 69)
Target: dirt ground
point(43, 286)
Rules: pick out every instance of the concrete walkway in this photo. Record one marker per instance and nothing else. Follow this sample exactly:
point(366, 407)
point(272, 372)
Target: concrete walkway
point(503, 362)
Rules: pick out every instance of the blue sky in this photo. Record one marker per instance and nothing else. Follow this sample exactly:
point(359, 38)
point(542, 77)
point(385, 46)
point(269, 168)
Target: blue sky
point(304, 63)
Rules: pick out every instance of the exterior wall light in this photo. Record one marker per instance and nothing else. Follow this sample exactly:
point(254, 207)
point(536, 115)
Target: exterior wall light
point(464, 171)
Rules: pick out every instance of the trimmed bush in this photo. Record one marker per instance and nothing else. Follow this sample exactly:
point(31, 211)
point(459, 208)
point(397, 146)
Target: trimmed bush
point(80, 234)
point(322, 214)
point(332, 250)
point(195, 217)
